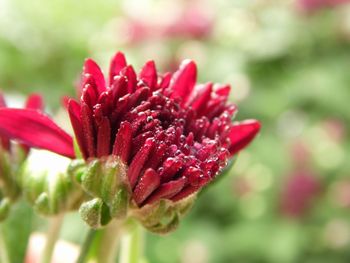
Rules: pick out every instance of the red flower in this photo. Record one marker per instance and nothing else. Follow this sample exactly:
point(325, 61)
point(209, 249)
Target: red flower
point(299, 193)
point(174, 135)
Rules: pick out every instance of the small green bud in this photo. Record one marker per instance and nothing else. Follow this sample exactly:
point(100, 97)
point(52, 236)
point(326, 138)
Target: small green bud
point(52, 192)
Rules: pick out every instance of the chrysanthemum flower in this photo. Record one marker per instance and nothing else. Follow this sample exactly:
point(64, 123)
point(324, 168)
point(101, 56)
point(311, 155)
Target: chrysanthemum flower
point(170, 135)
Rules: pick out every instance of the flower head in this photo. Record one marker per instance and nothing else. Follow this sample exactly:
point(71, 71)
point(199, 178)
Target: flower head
point(173, 135)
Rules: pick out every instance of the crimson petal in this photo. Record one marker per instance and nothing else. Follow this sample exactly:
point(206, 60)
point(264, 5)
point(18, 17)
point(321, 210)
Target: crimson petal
point(242, 134)
point(35, 102)
point(74, 110)
point(4, 142)
point(91, 68)
point(167, 190)
point(88, 129)
point(122, 142)
point(139, 160)
point(185, 192)
point(183, 80)
point(149, 181)
point(148, 74)
point(35, 129)
point(103, 137)
point(118, 62)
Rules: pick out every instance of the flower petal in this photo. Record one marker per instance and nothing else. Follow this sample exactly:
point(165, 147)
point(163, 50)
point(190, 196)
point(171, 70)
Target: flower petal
point(149, 181)
point(185, 192)
point(183, 80)
point(148, 74)
point(242, 134)
point(167, 190)
point(4, 142)
point(35, 129)
point(74, 111)
point(138, 162)
point(165, 80)
point(88, 129)
point(122, 142)
point(91, 68)
point(35, 102)
point(118, 62)
point(130, 75)
point(199, 98)
point(103, 137)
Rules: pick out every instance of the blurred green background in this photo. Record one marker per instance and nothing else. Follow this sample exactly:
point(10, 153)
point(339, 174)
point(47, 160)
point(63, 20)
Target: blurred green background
point(287, 199)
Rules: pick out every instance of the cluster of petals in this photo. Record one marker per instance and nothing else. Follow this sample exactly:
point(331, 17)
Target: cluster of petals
point(173, 135)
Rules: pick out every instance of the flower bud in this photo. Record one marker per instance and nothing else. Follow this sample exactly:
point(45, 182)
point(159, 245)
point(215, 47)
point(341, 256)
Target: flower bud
point(50, 192)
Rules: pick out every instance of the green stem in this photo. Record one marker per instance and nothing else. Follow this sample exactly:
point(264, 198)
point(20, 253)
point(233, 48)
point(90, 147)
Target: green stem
point(108, 246)
point(4, 257)
point(55, 225)
point(132, 244)
point(84, 251)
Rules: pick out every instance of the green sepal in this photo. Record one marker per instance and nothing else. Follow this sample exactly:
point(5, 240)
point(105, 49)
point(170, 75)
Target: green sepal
point(77, 151)
point(164, 216)
point(5, 205)
point(8, 183)
point(106, 179)
point(76, 169)
point(120, 203)
point(90, 179)
point(95, 213)
point(163, 228)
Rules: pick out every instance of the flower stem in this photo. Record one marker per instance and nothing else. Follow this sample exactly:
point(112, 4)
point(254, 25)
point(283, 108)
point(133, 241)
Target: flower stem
point(84, 251)
point(4, 257)
point(131, 244)
point(51, 238)
point(108, 246)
